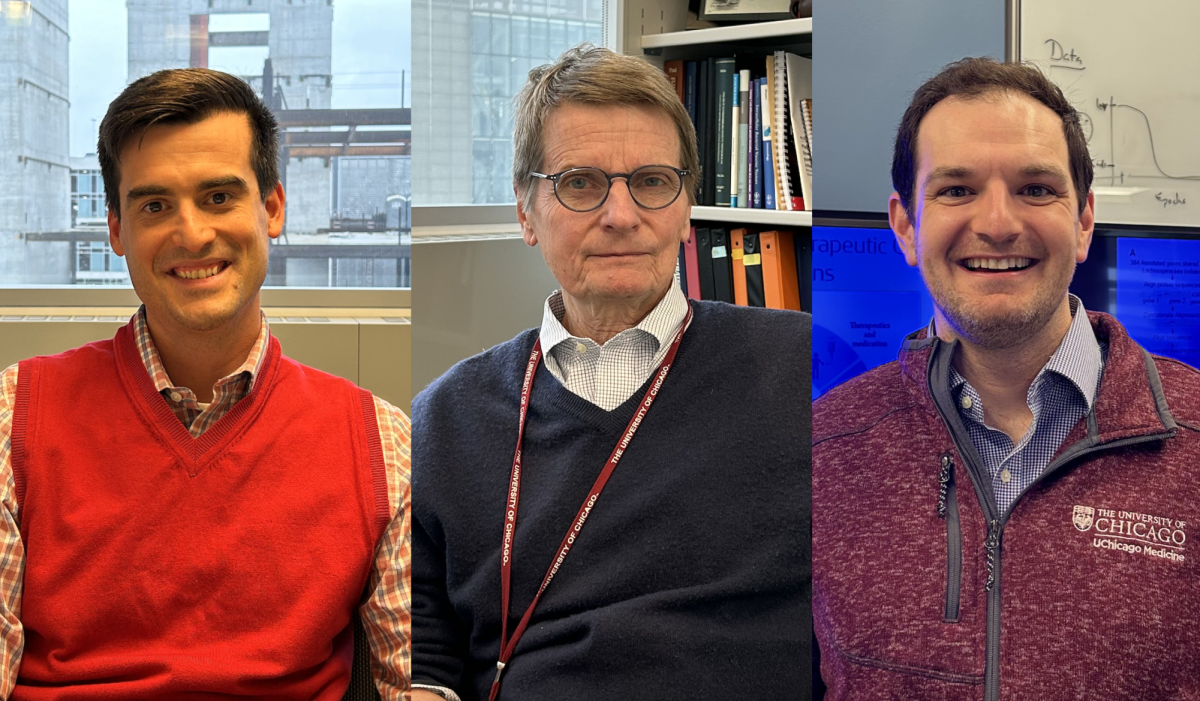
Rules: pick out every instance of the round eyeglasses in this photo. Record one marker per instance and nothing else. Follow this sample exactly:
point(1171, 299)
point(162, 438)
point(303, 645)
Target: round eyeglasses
point(585, 189)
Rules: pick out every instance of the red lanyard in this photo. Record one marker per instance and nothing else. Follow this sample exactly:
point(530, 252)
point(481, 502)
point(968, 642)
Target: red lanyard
point(514, 494)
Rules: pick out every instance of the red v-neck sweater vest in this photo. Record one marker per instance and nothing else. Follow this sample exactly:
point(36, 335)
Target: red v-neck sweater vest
point(161, 566)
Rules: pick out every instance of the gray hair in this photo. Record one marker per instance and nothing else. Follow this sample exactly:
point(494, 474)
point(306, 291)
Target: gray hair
point(588, 75)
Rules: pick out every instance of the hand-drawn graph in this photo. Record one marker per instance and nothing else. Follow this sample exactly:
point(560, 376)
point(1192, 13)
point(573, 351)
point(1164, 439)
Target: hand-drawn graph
point(1134, 85)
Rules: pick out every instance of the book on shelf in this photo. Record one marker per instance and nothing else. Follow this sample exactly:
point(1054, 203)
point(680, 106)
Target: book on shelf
point(768, 166)
point(689, 89)
point(753, 121)
point(743, 158)
point(723, 86)
point(675, 74)
point(735, 134)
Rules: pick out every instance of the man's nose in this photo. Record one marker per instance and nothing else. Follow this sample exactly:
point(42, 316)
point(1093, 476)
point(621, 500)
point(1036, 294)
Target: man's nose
point(619, 211)
point(193, 229)
point(998, 216)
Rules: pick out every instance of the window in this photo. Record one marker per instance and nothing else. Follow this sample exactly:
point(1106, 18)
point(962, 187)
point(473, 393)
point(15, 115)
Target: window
point(472, 57)
point(336, 74)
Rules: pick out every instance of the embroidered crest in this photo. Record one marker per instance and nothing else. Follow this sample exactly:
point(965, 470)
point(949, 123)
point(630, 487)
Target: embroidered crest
point(1082, 518)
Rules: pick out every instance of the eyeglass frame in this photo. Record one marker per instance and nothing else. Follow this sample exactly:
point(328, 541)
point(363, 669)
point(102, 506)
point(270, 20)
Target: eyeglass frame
point(554, 178)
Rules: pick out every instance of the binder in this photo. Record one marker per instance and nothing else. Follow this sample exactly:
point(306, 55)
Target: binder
point(722, 270)
point(691, 270)
point(799, 88)
point(777, 133)
point(704, 266)
point(739, 268)
point(681, 270)
point(781, 289)
point(752, 260)
point(786, 170)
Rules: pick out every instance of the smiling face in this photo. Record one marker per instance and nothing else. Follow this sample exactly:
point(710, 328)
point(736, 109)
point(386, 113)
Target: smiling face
point(996, 229)
point(619, 254)
point(193, 227)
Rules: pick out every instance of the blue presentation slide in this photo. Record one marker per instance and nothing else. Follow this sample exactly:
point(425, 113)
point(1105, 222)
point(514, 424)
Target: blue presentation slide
point(866, 299)
point(1158, 295)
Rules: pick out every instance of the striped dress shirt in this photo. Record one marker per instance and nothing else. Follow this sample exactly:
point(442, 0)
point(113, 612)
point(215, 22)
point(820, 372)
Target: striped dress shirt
point(1062, 393)
point(385, 615)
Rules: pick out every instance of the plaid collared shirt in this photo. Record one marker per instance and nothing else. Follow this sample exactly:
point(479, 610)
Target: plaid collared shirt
point(385, 615)
point(1061, 394)
point(607, 375)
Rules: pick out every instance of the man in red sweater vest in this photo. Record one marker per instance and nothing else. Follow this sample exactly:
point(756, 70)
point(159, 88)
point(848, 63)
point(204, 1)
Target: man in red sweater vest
point(1005, 511)
point(187, 513)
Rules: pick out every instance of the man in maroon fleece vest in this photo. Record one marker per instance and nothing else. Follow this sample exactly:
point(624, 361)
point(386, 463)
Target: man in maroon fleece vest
point(1005, 512)
point(187, 513)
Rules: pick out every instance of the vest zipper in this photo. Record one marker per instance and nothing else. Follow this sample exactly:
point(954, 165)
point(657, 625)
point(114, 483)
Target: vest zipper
point(948, 509)
point(996, 521)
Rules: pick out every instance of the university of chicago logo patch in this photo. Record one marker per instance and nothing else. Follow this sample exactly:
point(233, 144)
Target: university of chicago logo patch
point(1082, 518)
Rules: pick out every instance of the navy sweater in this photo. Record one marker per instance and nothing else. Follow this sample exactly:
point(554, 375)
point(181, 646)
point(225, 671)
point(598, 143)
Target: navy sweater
point(691, 578)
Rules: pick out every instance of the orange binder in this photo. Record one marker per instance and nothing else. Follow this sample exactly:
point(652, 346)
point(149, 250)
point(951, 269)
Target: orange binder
point(739, 269)
point(781, 289)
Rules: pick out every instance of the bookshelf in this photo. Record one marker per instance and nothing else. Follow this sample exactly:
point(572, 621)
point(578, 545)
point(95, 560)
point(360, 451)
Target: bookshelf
point(656, 30)
point(663, 37)
point(768, 217)
point(782, 29)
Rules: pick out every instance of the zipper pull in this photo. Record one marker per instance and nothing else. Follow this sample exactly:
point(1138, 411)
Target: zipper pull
point(943, 483)
point(993, 546)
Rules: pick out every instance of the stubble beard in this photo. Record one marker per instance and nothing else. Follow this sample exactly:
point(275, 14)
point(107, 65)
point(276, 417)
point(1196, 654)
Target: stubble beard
point(1000, 329)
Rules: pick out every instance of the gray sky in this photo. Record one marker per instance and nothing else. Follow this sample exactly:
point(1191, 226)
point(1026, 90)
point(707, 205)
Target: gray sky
point(372, 42)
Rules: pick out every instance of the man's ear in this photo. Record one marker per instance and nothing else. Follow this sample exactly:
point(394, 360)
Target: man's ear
point(1087, 225)
point(114, 233)
point(275, 210)
point(902, 227)
point(527, 231)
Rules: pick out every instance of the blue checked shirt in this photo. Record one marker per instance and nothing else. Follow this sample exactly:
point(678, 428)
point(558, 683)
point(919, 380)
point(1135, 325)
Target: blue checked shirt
point(1061, 394)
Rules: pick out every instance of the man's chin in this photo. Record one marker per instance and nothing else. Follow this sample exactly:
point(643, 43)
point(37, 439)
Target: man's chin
point(999, 329)
point(203, 317)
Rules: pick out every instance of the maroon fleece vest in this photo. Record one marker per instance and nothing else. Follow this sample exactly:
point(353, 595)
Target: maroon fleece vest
point(163, 566)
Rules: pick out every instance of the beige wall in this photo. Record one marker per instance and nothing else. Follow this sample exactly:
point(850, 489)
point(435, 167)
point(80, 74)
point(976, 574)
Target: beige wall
point(370, 347)
point(471, 295)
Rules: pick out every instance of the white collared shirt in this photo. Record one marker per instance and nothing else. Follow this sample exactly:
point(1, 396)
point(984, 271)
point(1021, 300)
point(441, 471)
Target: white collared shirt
point(608, 375)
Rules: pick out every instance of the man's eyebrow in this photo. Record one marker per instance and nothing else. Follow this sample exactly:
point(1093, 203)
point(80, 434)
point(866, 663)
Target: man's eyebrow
point(146, 191)
point(1043, 170)
point(947, 173)
point(225, 181)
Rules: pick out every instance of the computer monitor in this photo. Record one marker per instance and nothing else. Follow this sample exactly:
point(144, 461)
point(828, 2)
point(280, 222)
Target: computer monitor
point(866, 298)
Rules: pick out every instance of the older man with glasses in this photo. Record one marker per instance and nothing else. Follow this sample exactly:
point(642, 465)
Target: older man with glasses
point(616, 505)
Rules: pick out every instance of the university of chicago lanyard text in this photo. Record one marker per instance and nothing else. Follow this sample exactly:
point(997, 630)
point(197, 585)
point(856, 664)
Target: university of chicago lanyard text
point(507, 645)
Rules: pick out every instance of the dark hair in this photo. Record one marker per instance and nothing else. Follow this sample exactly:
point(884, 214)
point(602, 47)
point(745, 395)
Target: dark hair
point(973, 78)
point(185, 96)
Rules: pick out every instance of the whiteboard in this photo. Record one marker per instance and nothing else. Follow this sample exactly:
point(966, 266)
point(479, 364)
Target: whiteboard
point(1133, 71)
